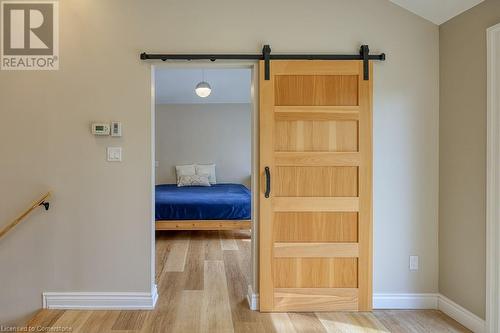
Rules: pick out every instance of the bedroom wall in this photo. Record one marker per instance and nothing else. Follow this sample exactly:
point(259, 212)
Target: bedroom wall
point(204, 133)
point(462, 176)
point(97, 235)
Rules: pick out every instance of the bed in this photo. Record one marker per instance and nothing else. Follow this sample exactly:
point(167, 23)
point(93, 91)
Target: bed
point(218, 207)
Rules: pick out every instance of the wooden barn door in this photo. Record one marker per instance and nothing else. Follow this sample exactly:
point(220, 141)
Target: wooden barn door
point(316, 156)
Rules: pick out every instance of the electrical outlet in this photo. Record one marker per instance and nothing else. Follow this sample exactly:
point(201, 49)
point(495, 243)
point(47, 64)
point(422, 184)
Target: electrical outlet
point(413, 263)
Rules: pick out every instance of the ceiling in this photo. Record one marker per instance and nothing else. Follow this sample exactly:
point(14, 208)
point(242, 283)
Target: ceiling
point(229, 85)
point(437, 11)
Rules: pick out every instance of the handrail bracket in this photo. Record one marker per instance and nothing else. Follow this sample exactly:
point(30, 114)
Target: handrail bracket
point(45, 204)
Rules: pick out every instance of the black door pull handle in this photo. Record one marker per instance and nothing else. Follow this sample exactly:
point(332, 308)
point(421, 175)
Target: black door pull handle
point(268, 182)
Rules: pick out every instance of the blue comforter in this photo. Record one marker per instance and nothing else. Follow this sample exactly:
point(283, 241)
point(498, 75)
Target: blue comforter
point(217, 202)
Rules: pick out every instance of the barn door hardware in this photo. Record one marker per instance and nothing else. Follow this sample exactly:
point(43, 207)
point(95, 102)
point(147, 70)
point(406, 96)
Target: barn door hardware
point(364, 55)
point(364, 52)
point(268, 182)
point(266, 55)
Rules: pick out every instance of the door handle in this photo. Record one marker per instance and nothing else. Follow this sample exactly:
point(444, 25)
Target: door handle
point(268, 182)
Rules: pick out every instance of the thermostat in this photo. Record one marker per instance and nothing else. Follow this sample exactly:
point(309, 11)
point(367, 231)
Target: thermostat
point(100, 129)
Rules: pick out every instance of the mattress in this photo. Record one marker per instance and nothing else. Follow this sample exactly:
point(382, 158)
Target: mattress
point(216, 202)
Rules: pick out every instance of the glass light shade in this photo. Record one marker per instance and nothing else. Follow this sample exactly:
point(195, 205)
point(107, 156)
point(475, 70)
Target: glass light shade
point(203, 89)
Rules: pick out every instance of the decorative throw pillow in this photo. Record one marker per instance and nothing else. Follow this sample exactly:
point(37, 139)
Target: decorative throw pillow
point(207, 169)
point(193, 180)
point(184, 170)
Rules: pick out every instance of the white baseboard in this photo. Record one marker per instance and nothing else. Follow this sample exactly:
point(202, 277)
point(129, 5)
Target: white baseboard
point(405, 301)
point(411, 301)
point(462, 315)
point(380, 301)
point(100, 300)
point(253, 299)
point(147, 301)
point(430, 301)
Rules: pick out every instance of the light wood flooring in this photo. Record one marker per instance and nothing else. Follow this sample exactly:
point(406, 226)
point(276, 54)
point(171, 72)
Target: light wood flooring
point(203, 278)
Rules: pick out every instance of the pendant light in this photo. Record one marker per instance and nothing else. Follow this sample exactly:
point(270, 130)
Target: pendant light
point(203, 89)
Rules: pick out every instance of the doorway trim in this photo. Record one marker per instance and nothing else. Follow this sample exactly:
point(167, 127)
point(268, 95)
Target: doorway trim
point(255, 179)
point(493, 182)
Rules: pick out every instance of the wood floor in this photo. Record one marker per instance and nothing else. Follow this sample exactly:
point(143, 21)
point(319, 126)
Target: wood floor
point(202, 282)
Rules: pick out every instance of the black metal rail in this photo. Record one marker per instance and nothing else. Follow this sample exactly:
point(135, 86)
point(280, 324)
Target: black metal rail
point(364, 54)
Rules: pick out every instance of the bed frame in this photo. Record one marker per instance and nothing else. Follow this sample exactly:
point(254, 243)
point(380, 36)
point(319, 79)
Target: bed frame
point(203, 224)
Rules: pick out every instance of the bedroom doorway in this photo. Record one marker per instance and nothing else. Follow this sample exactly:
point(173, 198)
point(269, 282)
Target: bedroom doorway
point(205, 144)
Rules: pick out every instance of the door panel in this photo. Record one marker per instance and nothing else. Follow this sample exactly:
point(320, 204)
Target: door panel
point(315, 135)
point(315, 227)
point(305, 181)
point(316, 224)
point(316, 299)
point(316, 90)
point(316, 272)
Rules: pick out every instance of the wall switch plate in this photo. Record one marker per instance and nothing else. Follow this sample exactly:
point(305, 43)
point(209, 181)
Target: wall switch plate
point(114, 154)
point(157, 164)
point(116, 128)
point(413, 263)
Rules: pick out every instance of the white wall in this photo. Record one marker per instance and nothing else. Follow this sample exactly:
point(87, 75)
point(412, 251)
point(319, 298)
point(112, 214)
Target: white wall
point(463, 127)
point(97, 236)
point(204, 133)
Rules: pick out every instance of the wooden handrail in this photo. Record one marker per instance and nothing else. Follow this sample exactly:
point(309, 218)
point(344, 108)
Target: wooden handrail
point(40, 202)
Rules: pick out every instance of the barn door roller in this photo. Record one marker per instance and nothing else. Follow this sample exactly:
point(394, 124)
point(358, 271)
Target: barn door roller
point(364, 54)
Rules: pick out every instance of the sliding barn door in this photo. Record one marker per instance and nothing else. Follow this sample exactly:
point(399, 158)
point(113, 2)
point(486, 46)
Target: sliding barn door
point(316, 167)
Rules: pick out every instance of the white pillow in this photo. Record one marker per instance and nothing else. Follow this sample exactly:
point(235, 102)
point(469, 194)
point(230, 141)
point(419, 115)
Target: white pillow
point(193, 180)
point(207, 169)
point(184, 170)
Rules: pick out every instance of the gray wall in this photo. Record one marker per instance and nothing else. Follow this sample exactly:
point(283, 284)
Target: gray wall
point(462, 157)
point(97, 236)
point(204, 133)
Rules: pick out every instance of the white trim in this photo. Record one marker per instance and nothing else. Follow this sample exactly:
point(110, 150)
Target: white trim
point(154, 295)
point(152, 225)
point(254, 269)
point(405, 301)
point(100, 300)
point(430, 301)
point(255, 178)
point(462, 315)
point(408, 301)
point(493, 184)
point(252, 299)
point(402, 301)
point(380, 301)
